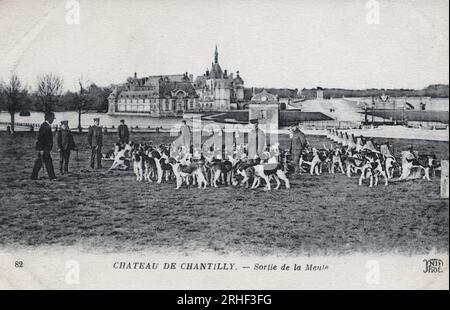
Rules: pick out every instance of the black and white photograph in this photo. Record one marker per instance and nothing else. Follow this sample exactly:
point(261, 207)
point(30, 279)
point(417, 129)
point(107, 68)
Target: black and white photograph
point(224, 145)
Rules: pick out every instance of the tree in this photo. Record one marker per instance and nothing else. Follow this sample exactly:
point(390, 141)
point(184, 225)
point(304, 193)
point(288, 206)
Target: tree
point(13, 94)
point(97, 98)
point(80, 100)
point(66, 102)
point(48, 89)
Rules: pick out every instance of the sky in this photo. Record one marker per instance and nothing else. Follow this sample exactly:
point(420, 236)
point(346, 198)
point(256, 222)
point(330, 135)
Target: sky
point(282, 43)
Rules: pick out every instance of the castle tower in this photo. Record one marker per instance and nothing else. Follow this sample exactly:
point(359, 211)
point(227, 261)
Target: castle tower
point(239, 87)
point(217, 88)
point(112, 100)
point(216, 56)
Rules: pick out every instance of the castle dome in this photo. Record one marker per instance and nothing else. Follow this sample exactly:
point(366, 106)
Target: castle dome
point(238, 80)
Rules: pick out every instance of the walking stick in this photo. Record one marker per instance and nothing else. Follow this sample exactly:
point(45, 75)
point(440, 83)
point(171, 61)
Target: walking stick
point(78, 162)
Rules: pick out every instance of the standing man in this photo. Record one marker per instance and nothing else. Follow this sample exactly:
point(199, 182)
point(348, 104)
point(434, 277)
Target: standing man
point(298, 143)
point(124, 134)
point(256, 140)
point(186, 136)
point(95, 140)
point(44, 145)
point(66, 144)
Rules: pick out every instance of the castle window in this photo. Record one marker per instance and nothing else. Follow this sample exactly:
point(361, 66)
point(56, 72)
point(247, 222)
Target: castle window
point(263, 114)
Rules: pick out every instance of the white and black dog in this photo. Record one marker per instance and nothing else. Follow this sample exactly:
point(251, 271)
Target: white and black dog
point(354, 162)
point(143, 165)
point(312, 160)
point(335, 160)
point(218, 168)
point(121, 157)
point(375, 166)
point(184, 168)
point(412, 165)
point(256, 169)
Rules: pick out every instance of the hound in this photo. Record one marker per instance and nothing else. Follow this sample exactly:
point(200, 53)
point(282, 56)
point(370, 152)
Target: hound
point(312, 160)
point(354, 163)
point(121, 157)
point(166, 168)
point(391, 163)
point(184, 169)
point(374, 168)
point(219, 168)
point(245, 170)
point(138, 165)
point(334, 159)
point(422, 163)
point(267, 172)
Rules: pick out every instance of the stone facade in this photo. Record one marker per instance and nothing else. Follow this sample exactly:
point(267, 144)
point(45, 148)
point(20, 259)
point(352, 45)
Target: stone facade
point(157, 96)
point(217, 89)
point(264, 107)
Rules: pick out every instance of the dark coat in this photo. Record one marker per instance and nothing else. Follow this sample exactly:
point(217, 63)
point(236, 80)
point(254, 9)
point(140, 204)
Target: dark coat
point(95, 136)
point(298, 142)
point(44, 140)
point(65, 140)
point(124, 133)
point(256, 141)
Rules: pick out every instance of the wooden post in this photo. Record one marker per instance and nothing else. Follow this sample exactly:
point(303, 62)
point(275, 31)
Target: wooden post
point(444, 179)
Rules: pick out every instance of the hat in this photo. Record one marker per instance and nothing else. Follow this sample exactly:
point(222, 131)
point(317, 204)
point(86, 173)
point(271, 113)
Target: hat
point(64, 122)
point(254, 121)
point(122, 120)
point(96, 118)
point(49, 114)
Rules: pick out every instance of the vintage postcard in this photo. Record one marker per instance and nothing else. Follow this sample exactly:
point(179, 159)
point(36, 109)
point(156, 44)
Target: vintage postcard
point(152, 144)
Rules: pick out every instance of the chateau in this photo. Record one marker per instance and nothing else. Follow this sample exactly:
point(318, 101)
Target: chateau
point(217, 89)
point(157, 96)
point(172, 95)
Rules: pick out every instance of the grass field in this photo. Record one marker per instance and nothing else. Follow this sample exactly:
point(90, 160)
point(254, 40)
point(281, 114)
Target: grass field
point(109, 211)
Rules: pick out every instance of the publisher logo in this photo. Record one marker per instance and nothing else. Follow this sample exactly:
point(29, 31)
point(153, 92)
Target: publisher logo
point(433, 265)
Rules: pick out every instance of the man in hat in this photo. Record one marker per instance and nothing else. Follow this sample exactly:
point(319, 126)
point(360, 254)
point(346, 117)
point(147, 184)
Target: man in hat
point(95, 140)
point(186, 135)
point(298, 144)
point(124, 134)
point(256, 140)
point(44, 145)
point(66, 144)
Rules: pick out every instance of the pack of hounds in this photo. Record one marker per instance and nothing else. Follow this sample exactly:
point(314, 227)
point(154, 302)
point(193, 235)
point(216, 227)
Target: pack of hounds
point(349, 156)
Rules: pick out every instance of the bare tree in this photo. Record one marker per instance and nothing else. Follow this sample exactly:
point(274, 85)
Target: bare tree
point(12, 93)
point(81, 100)
point(48, 89)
